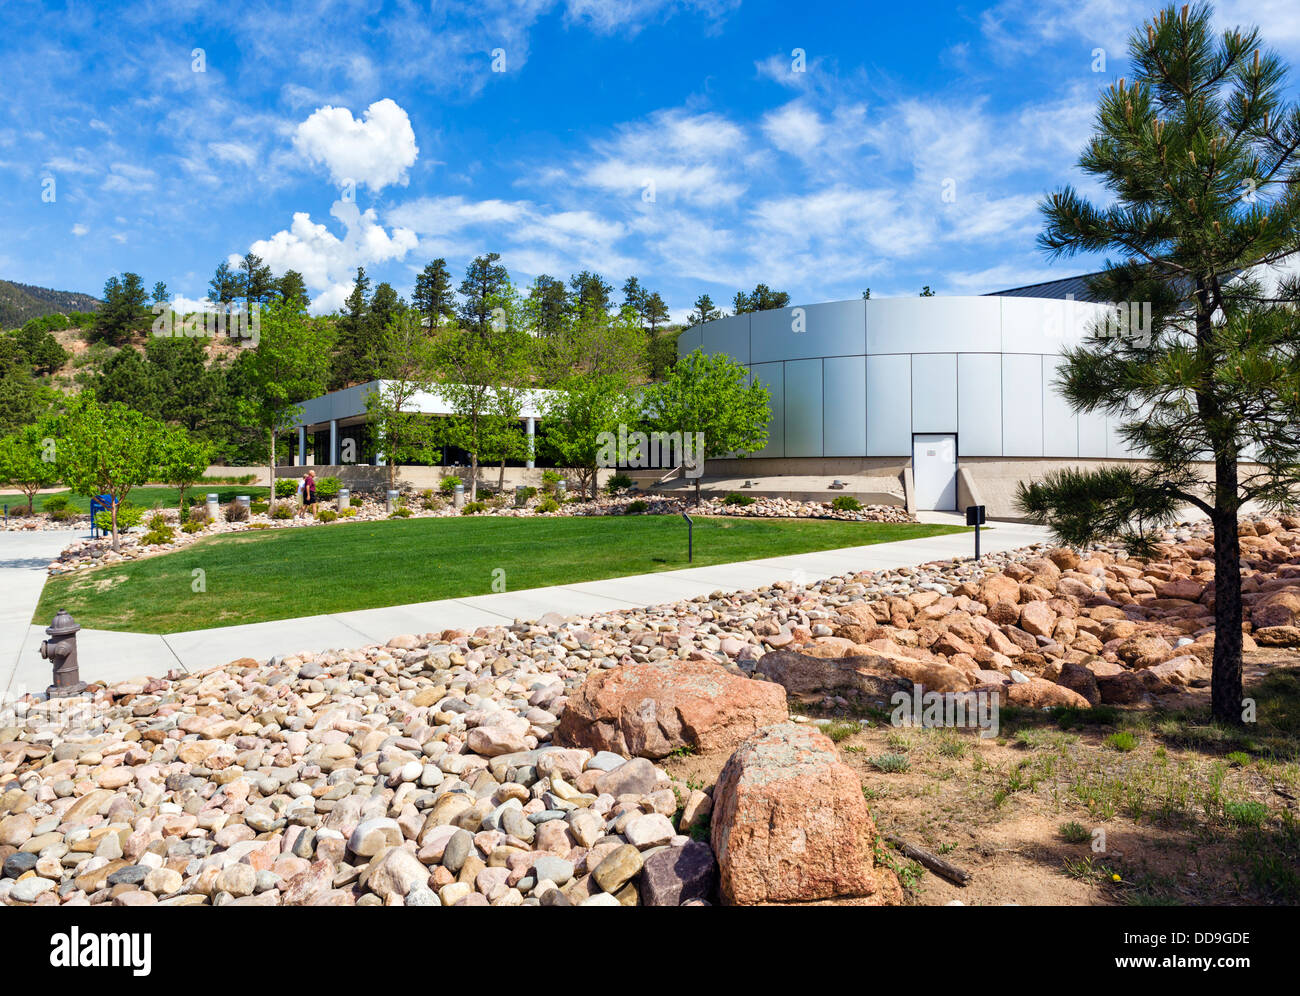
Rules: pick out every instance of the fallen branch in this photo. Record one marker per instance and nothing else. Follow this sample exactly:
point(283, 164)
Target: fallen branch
point(936, 864)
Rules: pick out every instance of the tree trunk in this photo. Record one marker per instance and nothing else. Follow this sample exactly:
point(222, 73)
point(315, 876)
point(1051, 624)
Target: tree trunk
point(501, 478)
point(270, 505)
point(1225, 679)
point(697, 491)
point(473, 477)
point(117, 547)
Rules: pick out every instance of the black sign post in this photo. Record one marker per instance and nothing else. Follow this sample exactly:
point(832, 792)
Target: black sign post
point(975, 517)
point(690, 538)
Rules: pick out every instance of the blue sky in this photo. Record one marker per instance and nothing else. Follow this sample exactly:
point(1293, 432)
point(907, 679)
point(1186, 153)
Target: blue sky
point(671, 140)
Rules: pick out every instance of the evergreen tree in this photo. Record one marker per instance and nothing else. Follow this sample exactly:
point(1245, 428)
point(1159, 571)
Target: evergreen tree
point(433, 297)
point(225, 287)
point(704, 311)
point(1200, 152)
point(485, 281)
point(124, 310)
point(255, 280)
point(763, 298)
point(349, 354)
point(292, 288)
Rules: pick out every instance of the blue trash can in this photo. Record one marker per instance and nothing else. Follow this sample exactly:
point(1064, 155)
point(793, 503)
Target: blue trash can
point(99, 503)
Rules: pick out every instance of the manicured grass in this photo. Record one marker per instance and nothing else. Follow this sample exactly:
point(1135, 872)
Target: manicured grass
point(152, 496)
point(282, 573)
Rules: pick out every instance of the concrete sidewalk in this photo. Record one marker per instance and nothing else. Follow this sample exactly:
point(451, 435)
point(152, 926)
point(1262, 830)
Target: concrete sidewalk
point(112, 656)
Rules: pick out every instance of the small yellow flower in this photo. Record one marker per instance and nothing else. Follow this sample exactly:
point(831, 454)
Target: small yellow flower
point(1115, 877)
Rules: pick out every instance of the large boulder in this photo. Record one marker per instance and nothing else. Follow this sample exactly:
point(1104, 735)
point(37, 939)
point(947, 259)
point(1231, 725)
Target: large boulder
point(654, 708)
point(804, 674)
point(790, 823)
point(1277, 608)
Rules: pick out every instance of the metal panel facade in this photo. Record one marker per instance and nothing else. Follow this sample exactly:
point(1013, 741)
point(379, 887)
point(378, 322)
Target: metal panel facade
point(803, 408)
point(844, 406)
point(979, 404)
point(834, 329)
point(889, 405)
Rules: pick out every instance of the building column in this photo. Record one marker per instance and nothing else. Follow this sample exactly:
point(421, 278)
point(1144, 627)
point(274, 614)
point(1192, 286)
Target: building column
point(302, 446)
point(334, 442)
point(530, 427)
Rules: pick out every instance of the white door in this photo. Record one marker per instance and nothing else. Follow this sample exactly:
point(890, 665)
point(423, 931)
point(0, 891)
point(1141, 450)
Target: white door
point(934, 471)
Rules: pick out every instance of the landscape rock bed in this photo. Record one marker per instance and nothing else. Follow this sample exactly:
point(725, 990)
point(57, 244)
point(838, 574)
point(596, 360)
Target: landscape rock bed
point(433, 770)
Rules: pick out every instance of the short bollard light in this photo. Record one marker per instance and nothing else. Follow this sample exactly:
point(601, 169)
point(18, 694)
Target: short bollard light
point(390, 500)
point(561, 489)
point(245, 500)
point(344, 498)
point(521, 495)
point(458, 496)
point(61, 649)
point(214, 509)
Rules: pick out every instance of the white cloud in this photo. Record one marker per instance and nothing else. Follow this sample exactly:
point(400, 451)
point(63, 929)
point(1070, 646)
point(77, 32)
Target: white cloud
point(79, 230)
point(328, 263)
point(376, 150)
point(794, 128)
point(442, 215)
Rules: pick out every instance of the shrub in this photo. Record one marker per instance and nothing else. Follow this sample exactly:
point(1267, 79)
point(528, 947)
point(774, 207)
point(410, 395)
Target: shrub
point(198, 513)
point(891, 763)
point(1246, 814)
point(618, 482)
point(548, 505)
point(637, 507)
point(1074, 832)
point(1122, 741)
point(282, 512)
point(259, 507)
point(448, 484)
point(285, 487)
point(550, 478)
point(327, 488)
point(155, 537)
point(473, 507)
point(195, 526)
point(736, 498)
point(128, 515)
point(347, 513)
point(235, 512)
point(846, 503)
point(61, 514)
point(326, 515)
point(402, 513)
point(56, 503)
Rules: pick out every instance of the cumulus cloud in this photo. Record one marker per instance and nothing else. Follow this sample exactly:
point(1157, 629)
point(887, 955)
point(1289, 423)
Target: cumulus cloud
point(376, 149)
point(328, 263)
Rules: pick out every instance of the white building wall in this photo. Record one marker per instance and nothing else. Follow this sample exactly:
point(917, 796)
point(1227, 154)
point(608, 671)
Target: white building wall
point(859, 378)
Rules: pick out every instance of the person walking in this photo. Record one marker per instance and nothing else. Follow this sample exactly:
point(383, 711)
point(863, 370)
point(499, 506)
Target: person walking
point(309, 492)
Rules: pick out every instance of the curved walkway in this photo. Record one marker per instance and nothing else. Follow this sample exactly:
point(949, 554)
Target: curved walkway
point(112, 656)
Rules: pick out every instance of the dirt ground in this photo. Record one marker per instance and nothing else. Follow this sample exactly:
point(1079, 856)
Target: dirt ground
point(1109, 806)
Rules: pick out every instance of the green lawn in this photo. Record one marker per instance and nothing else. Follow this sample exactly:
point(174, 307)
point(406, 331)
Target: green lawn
point(279, 574)
point(152, 496)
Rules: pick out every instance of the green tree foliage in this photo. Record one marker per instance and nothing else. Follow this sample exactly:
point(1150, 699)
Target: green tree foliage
point(289, 364)
point(474, 367)
point(225, 287)
point(712, 396)
point(577, 414)
point(182, 460)
point(763, 298)
point(351, 330)
point(256, 284)
point(589, 293)
point(1199, 151)
point(401, 435)
point(292, 288)
point(433, 297)
point(486, 280)
point(38, 344)
point(124, 310)
point(547, 307)
point(27, 459)
point(23, 399)
point(704, 311)
point(106, 449)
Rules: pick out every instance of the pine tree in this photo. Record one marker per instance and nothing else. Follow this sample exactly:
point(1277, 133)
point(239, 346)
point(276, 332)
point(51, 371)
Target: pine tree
point(1200, 153)
point(433, 297)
